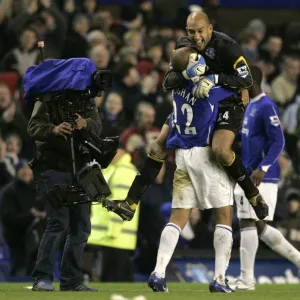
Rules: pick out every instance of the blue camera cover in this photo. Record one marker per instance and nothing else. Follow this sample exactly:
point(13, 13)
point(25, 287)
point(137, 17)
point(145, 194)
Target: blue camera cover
point(55, 75)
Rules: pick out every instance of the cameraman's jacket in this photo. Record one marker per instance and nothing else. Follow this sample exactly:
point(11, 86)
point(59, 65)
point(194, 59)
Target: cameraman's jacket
point(108, 229)
point(53, 152)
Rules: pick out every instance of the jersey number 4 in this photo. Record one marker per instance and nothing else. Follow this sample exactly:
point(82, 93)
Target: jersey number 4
point(224, 116)
point(187, 110)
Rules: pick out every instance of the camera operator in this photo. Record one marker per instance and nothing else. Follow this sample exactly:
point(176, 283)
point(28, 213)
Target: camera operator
point(53, 165)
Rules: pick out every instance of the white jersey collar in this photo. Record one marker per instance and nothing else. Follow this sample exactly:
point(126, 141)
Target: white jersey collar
point(258, 97)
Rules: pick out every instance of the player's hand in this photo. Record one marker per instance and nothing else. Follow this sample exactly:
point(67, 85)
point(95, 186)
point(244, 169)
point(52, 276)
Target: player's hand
point(245, 97)
point(80, 123)
point(64, 129)
point(196, 66)
point(257, 176)
point(202, 88)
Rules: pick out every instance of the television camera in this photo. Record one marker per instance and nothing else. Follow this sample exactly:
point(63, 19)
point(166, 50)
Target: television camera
point(71, 85)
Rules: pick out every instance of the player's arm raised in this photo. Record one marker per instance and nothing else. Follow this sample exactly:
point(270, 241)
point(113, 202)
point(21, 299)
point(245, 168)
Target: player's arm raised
point(238, 76)
point(181, 59)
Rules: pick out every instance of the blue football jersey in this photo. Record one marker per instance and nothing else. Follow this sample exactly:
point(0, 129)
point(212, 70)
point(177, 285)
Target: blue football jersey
point(262, 138)
point(193, 120)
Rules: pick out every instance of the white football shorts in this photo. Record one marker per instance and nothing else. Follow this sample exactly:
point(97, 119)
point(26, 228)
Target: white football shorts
point(200, 181)
point(245, 210)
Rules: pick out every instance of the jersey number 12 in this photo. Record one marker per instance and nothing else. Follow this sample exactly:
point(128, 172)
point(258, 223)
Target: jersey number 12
point(187, 110)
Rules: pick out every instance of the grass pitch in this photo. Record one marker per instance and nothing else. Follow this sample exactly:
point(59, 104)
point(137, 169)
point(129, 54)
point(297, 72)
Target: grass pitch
point(178, 291)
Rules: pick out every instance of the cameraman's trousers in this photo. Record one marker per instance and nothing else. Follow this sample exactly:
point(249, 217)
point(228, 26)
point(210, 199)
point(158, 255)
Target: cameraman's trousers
point(73, 222)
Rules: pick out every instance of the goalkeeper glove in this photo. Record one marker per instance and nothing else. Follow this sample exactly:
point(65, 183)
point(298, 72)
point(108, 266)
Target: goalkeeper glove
point(196, 67)
point(202, 88)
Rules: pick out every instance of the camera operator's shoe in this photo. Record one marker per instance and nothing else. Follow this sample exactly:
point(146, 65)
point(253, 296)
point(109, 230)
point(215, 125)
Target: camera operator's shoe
point(119, 207)
point(260, 206)
point(79, 288)
point(43, 286)
point(157, 283)
point(216, 287)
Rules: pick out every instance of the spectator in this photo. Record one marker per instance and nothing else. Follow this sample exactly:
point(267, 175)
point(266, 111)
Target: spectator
point(291, 124)
point(12, 156)
point(76, 44)
point(14, 144)
point(285, 85)
point(294, 204)
point(127, 55)
point(258, 28)
point(19, 210)
point(55, 27)
point(5, 175)
point(24, 56)
point(12, 119)
point(149, 87)
point(96, 37)
point(113, 117)
point(146, 9)
point(169, 49)
point(89, 7)
point(6, 41)
point(113, 44)
point(46, 18)
point(249, 43)
point(127, 85)
point(103, 20)
point(138, 137)
point(271, 51)
point(100, 56)
point(134, 39)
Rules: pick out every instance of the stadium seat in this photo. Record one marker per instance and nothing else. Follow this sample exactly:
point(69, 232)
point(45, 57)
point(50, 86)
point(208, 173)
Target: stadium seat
point(11, 79)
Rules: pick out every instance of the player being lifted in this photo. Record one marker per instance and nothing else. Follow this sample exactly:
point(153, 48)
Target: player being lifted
point(227, 67)
point(199, 180)
point(262, 143)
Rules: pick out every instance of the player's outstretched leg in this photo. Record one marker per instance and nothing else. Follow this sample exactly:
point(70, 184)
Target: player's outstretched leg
point(126, 208)
point(168, 241)
point(232, 163)
point(120, 207)
point(222, 245)
point(277, 242)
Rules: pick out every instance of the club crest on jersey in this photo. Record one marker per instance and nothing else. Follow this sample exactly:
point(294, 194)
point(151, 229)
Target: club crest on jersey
point(211, 53)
